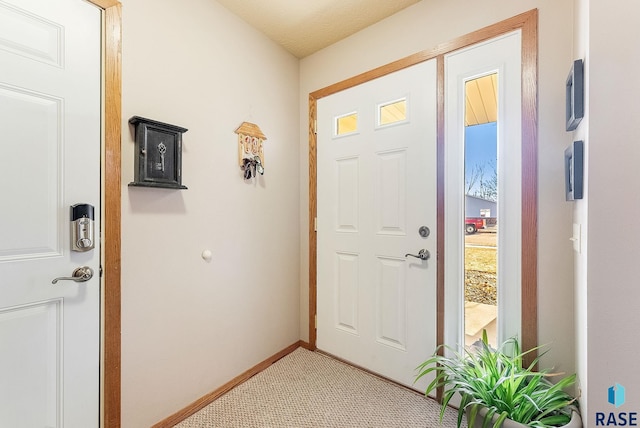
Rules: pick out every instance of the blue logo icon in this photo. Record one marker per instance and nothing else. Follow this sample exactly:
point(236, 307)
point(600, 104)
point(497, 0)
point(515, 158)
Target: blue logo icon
point(616, 395)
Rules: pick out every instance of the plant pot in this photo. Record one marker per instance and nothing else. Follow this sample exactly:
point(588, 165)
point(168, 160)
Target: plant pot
point(575, 422)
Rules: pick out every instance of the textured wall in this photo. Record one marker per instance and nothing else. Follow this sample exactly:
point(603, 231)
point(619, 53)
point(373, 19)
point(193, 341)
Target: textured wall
point(189, 326)
point(607, 279)
point(580, 215)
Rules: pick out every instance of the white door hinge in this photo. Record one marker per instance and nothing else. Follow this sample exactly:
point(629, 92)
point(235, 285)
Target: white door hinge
point(315, 126)
point(316, 320)
point(315, 224)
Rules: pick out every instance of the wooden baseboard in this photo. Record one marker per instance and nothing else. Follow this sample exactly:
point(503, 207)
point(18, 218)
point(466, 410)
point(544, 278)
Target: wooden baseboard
point(306, 345)
point(209, 398)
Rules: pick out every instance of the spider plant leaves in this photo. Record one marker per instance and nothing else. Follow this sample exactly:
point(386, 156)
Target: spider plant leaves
point(495, 380)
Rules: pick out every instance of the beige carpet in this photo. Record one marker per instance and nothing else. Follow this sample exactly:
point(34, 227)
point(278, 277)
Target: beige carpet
point(308, 389)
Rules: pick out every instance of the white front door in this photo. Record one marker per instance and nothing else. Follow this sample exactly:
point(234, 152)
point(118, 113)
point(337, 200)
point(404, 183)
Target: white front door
point(50, 66)
point(376, 307)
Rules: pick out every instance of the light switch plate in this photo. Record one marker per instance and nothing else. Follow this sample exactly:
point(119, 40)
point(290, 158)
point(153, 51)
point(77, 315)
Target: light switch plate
point(577, 237)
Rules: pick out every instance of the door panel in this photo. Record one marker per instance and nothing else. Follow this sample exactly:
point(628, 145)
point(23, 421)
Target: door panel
point(376, 187)
point(391, 311)
point(347, 194)
point(35, 357)
point(31, 35)
point(30, 226)
point(346, 293)
point(391, 204)
point(50, 145)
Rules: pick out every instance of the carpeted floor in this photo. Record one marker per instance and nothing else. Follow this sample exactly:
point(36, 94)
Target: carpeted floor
point(308, 389)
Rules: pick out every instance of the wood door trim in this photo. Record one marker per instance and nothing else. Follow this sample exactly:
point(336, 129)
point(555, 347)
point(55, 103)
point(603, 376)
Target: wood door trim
point(313, 209)
point(112, 81)
point(529, 155)
point(527, 22)
point(105, 4)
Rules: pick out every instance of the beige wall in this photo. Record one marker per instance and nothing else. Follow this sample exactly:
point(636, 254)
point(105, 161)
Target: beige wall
point(607, 274)
point(189, 326)
point(424, 26)
point(580, 217)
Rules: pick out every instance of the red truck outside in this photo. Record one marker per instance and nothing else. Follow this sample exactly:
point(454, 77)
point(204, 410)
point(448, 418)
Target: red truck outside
point(473, 224)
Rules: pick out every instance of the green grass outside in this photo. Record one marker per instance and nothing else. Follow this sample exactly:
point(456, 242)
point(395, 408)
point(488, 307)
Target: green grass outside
point(480, 259)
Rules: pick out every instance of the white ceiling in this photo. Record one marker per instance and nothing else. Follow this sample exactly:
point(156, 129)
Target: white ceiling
point(305, 26)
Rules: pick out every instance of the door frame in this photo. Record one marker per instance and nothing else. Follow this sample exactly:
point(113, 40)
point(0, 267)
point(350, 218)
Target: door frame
point(110, 393)
point(527, 22)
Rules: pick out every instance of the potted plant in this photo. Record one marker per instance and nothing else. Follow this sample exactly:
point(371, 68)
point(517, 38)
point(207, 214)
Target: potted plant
point(496, 390)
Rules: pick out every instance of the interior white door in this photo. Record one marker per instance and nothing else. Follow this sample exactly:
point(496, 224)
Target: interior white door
point(376, 307)
point(49, 160)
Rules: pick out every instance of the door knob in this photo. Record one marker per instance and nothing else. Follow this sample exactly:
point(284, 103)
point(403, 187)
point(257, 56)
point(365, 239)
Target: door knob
point(81, 274)
point(422, 255)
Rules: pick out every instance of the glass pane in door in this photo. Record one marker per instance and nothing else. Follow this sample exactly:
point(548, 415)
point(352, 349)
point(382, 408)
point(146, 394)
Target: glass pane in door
point(481, 211)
